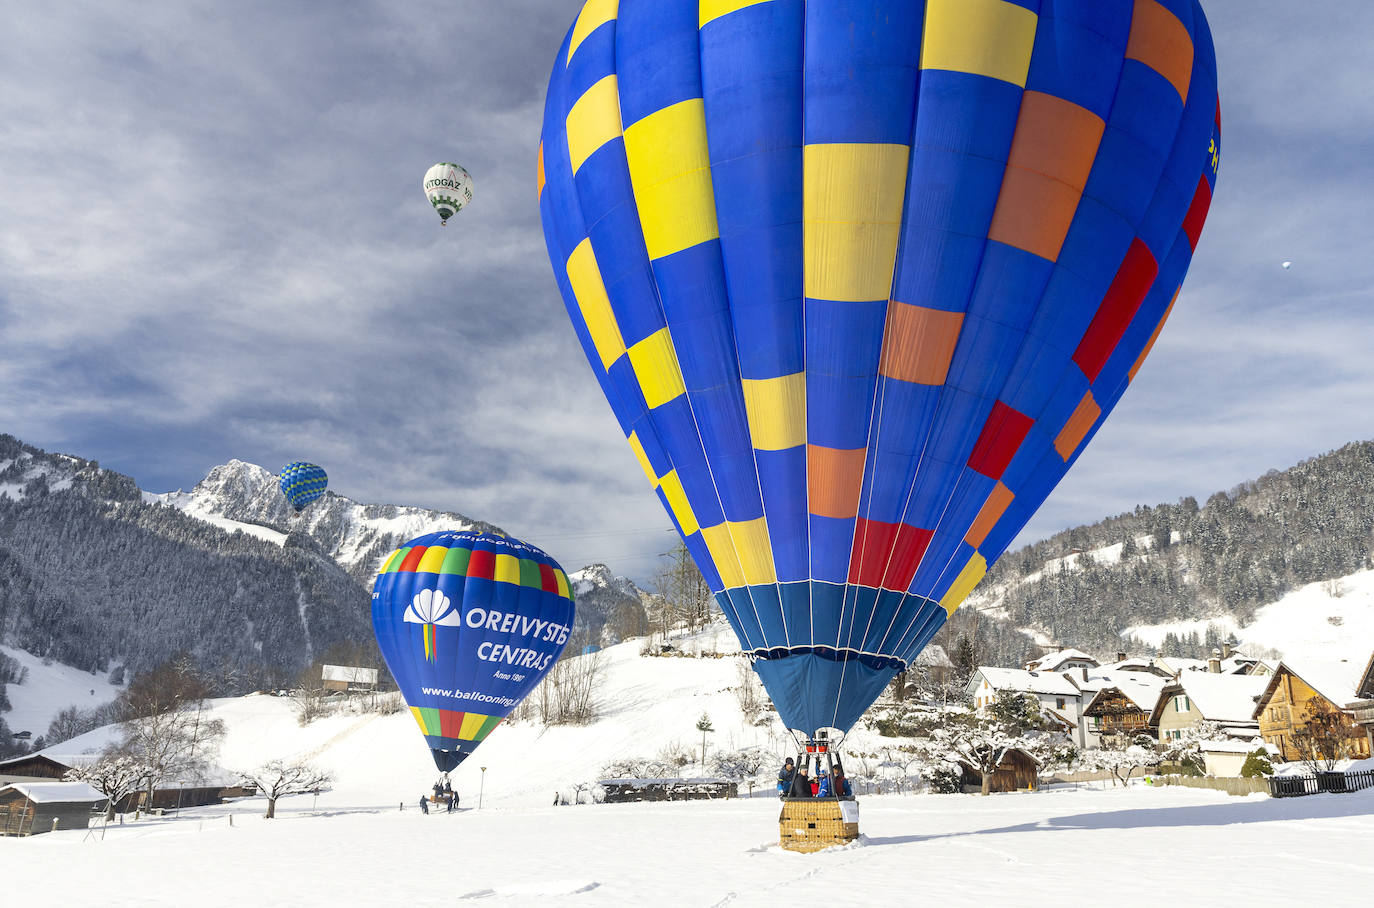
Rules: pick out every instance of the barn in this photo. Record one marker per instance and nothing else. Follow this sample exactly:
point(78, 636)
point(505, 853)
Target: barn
point(31, 808)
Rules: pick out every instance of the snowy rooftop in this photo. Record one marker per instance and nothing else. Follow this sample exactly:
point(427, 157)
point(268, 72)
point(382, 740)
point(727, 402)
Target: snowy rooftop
point(1017, 679)
point(934, 656)
point(1052, 661)
point(56, 792)
point(1141, 688)
point(1223, 698)
point(1337, 681)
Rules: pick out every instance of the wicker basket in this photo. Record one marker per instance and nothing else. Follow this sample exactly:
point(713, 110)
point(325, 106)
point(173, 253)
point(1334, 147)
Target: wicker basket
point(810, 824)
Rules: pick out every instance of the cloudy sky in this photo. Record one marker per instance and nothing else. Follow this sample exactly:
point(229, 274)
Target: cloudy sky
point(213, 244)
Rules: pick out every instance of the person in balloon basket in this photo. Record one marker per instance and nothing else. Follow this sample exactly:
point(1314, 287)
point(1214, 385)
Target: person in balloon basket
point(785, 776)
point(801, 785)
point(839, 783)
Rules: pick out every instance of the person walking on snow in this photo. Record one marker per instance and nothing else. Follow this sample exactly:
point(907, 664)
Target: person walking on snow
point(424, 804)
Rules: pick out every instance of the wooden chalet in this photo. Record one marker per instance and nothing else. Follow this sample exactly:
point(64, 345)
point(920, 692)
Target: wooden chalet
point(32, 808)
point(1018, 771)
point(1300, 694)
point(1115, 717)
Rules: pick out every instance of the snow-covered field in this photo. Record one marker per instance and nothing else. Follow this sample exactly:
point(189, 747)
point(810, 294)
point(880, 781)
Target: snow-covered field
point(1081, 846)
point(354, 845)
point(50, 688)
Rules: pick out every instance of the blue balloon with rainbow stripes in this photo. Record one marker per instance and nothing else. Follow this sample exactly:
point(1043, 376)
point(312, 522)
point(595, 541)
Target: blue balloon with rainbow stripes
point(468, 623)
point(860, 280)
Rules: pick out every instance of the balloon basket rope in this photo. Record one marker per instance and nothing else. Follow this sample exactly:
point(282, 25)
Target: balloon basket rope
point(812, 824)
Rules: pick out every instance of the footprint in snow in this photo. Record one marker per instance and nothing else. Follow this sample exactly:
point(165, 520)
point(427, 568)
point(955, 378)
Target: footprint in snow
point(540, 888)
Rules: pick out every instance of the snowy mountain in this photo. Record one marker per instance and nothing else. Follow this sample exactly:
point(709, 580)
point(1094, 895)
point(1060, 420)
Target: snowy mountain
point(609, 608)
point(92, 576)
point(244, 496)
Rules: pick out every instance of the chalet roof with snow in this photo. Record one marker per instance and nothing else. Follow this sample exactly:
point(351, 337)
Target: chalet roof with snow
point(1141, 688)
point(1338, 681)
point(1227, 699)
point(1053, 662)
point(56, 792)
point(933, 656)
point(1022, 681)
point(1140, 665)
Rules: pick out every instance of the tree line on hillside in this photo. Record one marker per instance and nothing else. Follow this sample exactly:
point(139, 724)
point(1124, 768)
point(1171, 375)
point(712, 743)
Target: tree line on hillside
point(1234, 553)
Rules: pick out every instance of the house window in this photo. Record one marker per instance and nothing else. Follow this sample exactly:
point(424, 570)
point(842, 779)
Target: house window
point(1181, 703)
point(1059, 703)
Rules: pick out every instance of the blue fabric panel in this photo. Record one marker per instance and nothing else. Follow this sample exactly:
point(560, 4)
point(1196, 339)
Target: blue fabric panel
point(1079, 46)
point(594, 61)
point(748, 616)
point(891, 610)
point(957, 427)
point(827, 604)
point(944, 560)
point(862, 65)
point(656, 56)
point(843, 343)
point(752, 80)
point(919, 615)
point(859, 602)
point(767, 605)
point(1097, 242)
point(929, 629)
point(796, 609)
point(1187, 158)
point(782, 478)
point(809, 694)
point(1038, 440)
point(831, 541)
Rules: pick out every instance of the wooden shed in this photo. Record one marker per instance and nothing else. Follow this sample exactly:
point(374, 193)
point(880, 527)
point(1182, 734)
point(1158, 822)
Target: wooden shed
point(1018, 771)
point(32, 808)
point(32, 766)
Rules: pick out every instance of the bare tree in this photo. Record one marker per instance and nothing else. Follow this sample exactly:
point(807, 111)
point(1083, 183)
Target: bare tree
point(683, 594)
point(749, 692)
point(1325, 738)
point(568, 693)
point(278, 779)
point(179, 741)
point(115, 776)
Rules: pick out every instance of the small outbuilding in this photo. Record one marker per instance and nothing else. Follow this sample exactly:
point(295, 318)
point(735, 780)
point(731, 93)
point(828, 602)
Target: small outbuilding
point(1018, 771)
point(31, 808)
point(31, 767)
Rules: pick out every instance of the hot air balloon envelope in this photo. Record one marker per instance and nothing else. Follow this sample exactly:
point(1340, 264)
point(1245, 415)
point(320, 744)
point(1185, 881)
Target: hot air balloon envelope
point(302, 483)
point(468, 624)
point(449, 189)
point(860, 279)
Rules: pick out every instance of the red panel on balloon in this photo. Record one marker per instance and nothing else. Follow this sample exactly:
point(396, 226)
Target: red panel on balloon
point(450, 723)
point(412, 559)
point(886, 554)
point(1197, 211)
point(548, 580)
point(1002, 435)
point(1133, 280)
point(482, 564)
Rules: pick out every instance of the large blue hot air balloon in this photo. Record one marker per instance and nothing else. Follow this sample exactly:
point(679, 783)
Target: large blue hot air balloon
point(860, 280)
point(468, 624)
point(302, 483)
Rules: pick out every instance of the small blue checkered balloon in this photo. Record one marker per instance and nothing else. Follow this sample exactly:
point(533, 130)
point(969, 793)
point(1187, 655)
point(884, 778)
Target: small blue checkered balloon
point(302, 483)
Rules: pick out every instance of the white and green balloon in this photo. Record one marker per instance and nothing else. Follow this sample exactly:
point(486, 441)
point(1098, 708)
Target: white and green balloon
point(449, 189)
